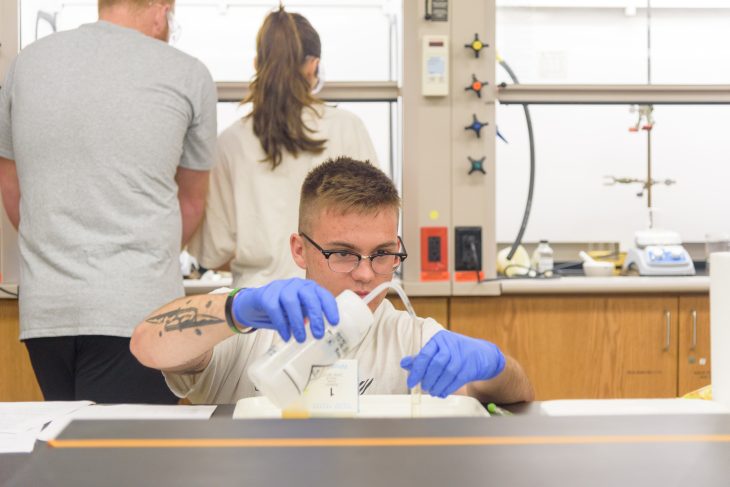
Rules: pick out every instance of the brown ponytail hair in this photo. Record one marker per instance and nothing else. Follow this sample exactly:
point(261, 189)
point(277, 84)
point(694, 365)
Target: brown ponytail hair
point(280, 91)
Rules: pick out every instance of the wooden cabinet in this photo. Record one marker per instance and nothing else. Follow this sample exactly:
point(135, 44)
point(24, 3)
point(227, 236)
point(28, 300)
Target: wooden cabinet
point(17, 380)
point(694, 343)
point(571, 346)
point(436, 308)
point(590, 346)
point(581, 346)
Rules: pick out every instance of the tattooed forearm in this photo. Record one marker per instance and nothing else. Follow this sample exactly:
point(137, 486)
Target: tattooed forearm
point(182, 318)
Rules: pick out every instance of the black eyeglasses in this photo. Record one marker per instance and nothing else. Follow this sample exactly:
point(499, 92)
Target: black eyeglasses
point(346, 261)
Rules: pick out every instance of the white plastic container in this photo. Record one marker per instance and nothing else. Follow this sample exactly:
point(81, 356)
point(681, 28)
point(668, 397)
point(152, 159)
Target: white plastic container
point(284, 371)
point(598, 269)
point(595, 268)
point(542, 258)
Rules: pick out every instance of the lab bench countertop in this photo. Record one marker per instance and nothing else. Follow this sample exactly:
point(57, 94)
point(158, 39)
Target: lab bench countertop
point(198, 286)
point(607, 285)
point(192, 286)
point(560, 285)
point(8, 290)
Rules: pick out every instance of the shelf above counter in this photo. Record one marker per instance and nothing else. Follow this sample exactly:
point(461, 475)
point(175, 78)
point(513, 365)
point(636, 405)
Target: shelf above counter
point(594, 94)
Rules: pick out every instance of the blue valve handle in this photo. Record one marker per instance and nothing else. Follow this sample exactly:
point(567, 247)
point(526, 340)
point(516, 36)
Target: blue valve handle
point(476, 126)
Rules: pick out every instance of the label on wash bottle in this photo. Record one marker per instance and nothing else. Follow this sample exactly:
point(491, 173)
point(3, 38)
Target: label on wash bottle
point(331, 392)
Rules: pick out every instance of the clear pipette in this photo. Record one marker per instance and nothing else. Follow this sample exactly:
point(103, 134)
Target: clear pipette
point(417, 335)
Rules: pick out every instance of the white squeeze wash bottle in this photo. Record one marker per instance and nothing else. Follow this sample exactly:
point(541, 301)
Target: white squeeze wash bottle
point(284, 371)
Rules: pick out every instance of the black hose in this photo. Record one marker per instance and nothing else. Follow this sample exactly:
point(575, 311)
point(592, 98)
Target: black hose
point(531, 189)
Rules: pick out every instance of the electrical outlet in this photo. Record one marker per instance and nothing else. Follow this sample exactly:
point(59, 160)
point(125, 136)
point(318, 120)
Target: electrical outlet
point(433, 253)
point(434, 249)
point(468, 248)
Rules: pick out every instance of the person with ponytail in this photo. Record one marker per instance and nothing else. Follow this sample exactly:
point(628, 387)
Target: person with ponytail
point(263, 158)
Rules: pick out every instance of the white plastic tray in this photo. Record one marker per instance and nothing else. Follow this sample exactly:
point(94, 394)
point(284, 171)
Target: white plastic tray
point(377, 406)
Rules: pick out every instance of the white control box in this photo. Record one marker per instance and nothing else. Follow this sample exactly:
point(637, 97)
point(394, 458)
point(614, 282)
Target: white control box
point(660, 260)
point(435, 66)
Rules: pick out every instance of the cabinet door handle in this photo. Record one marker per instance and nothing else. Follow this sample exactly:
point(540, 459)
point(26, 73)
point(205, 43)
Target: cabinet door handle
point(668, 319)
point(694, 330)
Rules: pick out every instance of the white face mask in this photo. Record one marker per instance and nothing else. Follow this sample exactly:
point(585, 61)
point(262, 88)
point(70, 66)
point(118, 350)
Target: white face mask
point(320, 79)
point(173, 28)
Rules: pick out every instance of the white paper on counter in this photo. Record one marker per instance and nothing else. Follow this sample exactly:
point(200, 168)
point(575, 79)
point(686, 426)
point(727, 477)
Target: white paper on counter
point(19, 416)
point(128, 411)
point(21, 422)
point(18, 442)
point(614, 407)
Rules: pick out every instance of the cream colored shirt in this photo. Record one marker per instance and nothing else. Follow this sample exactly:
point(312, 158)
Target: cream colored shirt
point(252, 210)
point(225, 380)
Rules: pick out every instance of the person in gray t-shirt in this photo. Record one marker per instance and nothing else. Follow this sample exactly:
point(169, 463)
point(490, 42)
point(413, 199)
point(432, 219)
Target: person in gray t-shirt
point(106, 140)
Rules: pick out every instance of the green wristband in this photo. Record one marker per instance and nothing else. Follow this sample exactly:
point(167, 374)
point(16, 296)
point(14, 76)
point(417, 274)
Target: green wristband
point(229, 314)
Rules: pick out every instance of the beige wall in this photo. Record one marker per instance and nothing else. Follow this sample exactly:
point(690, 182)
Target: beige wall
point(8, 50)
point(8, 34)
point(437, 188)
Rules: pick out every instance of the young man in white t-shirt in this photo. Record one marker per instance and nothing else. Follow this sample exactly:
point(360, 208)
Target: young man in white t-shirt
point(347, 239)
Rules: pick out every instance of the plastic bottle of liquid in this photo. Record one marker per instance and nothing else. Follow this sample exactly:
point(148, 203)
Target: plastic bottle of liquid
point(286, 369)
point(542, 258)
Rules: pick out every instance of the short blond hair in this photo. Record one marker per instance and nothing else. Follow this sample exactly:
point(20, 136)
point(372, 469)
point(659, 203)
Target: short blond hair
point(346, 185)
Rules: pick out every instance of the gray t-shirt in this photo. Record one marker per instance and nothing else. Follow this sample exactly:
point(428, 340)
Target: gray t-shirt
point(98, 119)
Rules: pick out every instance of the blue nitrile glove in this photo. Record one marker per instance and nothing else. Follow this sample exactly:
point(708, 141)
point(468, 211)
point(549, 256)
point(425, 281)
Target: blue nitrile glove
point(450, 360)
point(283, 305)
